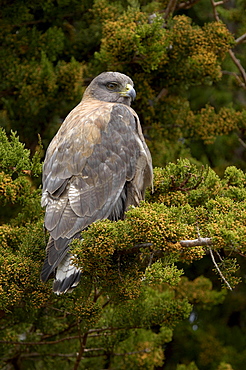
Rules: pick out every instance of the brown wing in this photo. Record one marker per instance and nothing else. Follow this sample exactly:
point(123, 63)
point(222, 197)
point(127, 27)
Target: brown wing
point(87, 165)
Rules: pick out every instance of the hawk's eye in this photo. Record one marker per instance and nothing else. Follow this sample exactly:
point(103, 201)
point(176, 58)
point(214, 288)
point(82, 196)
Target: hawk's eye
point(112, 85)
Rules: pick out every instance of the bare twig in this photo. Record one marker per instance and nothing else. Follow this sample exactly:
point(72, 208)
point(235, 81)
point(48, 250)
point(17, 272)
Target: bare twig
point(240, 82)
point(106, 303)
point(219, 3)
point(36, 354)
point(242, 142)
point(240, 39)
point(65, 313)
point(216, 15)
point(239, 66)
point(134, 249)
point(146, 350)
point(218, 269)
point(162, 94)
point(238, 252)
point(94, 349)
point(112, 328)
point(99, 335)
point(45, 337)
point(151, 258)
point(83, 337)
point(67, 355)
point(97, 294)
point(171, 6)
point(104, 331)
point(174, 5)
point(199, 242)
point(83, 340)
point(187, 4)
point(41, 342)
point(182, 186)
point(220, 258)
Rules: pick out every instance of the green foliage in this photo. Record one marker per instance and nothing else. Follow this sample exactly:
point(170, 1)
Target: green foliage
point(139, 282)
point(20, 202)
point(191, 366)
point(21, 212)
point(34, 82)
point(15, 159)
point(162, 272)
point(131, 295)
point(199, 49)
point(200, 292)
point(140, 42)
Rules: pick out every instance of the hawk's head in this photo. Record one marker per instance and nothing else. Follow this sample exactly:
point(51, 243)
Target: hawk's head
point(111, 87)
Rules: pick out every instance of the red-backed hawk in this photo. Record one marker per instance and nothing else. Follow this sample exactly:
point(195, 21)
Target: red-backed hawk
point(96, 166)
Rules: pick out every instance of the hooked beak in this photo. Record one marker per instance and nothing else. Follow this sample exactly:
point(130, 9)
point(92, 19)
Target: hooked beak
point(129, 92)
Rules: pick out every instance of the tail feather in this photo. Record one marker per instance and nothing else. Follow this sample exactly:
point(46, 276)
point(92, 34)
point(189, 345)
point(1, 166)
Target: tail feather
point(58, 263)
point(53, 257)
point(67, 276)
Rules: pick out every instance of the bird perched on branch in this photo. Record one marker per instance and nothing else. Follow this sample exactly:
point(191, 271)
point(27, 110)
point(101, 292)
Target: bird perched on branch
point(96, 166)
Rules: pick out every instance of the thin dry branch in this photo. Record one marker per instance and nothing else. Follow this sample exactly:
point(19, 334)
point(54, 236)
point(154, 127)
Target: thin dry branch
point(171, 6)
point(240, 39)
point(134, 249)
point(81, 352)
point(41, 342)
point(205, 242)
point(36, 354)
point(67, 355)
point(187, 4)
point(239, 66)
point(218, 269)
point(146, 350)
point(240, 82)
point(94, 349)
point(104, 331)
point(66, 330)
point(219, 3)
point(216, 15)
point(199, 242)
point(99, 335)
point(162, 94)
point(112, 328)
point(242, 142)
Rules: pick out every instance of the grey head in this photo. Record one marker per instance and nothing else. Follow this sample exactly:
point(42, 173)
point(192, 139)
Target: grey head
point(111, 87)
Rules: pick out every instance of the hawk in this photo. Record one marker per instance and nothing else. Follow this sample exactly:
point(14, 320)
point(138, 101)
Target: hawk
point(96, 166)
